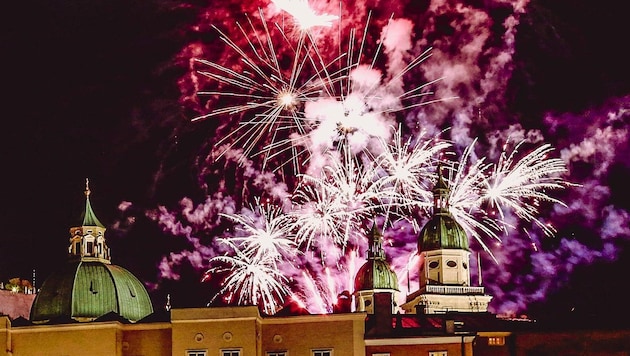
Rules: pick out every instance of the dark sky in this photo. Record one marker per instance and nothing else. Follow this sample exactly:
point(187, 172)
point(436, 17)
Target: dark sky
point(91, 90)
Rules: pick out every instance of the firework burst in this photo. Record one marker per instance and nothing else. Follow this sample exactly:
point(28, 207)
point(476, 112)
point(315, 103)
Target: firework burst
point(360, 151)
point(263, 230)
point(266, 93)
point(250, 280)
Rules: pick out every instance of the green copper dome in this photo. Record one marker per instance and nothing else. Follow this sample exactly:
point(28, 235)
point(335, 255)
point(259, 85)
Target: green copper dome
point(89, 286)
point(442, 231)
point(87, 290)
point(375, 272)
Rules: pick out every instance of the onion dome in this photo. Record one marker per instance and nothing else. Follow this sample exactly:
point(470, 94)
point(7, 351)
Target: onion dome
point(89, 286)
point(442, 231)
point(375, 272)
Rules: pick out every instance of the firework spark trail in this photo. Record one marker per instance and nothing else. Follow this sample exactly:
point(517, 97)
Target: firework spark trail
point(263, 230)
point(317, 215)
point(407, 167)
point(521, 184)
point(252, 280)
point(466, 180)
point(315, 293)
point(483, 192)
point(274, 99)
point(264, 87)
point(348, 191)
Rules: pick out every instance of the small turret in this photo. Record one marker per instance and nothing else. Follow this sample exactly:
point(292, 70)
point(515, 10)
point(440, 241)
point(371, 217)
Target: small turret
point(375, 275)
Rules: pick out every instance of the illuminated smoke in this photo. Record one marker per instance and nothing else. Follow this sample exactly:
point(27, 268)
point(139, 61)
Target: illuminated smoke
point(366, 91)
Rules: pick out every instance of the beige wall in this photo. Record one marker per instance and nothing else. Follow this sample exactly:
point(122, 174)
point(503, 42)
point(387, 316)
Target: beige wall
point(215, 329)
point(95, 339)
point(300, 334)
point(5, 329)
point(151, 339)
point(243, 328)
point(210, 329)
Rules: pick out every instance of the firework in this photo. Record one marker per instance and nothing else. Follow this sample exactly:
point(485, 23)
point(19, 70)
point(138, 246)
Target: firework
point(250, 280)
point(345, 194)
point(265, 93)
point(305, 16)
point(482, 192)
point(522, 184)
point(406, 168)
point(360, 152)
point(288, 99)
point(263, 232)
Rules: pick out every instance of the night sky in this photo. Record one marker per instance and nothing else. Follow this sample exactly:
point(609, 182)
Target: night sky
point(97, 89)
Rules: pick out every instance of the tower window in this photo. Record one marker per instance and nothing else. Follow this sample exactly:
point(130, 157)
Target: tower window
point(451, 263)
point(434, 264)
point(89, 249)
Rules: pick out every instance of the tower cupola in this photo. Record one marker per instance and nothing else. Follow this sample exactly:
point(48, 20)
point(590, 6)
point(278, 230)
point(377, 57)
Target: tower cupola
point(87, 242)
point(444, 263)
point(375, 275)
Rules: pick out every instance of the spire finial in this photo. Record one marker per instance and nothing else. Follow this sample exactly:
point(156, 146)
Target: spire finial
point(375, 247)
point(440, 192)
point(87, 187)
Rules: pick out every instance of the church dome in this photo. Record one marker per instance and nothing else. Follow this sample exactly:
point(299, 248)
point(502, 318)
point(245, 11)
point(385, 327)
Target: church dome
point(89, 286)
point(87, 290)
point(375, 272)
point(442, 232)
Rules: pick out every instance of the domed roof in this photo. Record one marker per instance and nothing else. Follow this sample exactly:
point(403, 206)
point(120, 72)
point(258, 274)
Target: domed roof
point(375, 272)
point(89, 286)
point(442, 231)
point(87, 290)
